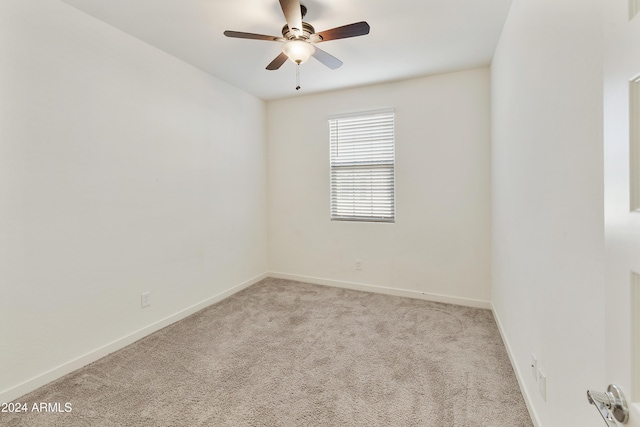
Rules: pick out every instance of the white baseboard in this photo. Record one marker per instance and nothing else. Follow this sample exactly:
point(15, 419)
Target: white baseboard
point(385, 290)
point(518, 372)
point(77, 363)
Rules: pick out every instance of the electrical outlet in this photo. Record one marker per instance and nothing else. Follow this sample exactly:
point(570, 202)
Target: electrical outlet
point(534, 366)
point(358, 265)
point(542, 384)
point(145, 299)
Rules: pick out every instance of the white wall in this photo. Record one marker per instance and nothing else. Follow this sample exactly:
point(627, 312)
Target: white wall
point(440, 243)
point(122, 170)
point(547, 162)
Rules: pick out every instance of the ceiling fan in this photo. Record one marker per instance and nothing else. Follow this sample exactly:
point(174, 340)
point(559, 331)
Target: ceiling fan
point(300, 38)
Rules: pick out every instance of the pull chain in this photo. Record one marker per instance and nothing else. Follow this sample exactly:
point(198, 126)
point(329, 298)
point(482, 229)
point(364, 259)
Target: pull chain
point(297, 76)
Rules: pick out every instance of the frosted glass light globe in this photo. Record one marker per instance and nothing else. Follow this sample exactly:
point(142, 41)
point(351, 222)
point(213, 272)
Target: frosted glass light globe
point(298, 51)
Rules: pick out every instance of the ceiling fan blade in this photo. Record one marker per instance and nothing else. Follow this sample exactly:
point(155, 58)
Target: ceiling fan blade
point(293, 14)
point(241, 35)
point(327, 59)
point(277, 63)
point(352, 30)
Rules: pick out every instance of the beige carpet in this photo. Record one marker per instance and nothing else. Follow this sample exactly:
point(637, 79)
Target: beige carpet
point(284, 353)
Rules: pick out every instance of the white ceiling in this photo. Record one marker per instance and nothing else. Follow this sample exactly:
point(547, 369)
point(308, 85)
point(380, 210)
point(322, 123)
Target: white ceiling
point(408, 38)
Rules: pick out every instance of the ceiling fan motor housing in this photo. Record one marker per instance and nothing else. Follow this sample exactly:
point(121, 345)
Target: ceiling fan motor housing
point(307, 32)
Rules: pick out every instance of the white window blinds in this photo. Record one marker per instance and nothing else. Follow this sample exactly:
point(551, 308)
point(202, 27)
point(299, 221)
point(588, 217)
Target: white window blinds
point(362, 167)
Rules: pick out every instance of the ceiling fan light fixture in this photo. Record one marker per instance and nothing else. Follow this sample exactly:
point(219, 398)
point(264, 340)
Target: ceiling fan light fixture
point(299, 37)
point(298, 51)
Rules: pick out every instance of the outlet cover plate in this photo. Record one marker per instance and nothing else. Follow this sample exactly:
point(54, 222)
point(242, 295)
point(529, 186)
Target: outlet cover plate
point(145, 299)
point(542, 384)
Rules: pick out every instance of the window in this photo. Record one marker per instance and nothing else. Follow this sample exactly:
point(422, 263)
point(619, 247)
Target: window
point(362, 167)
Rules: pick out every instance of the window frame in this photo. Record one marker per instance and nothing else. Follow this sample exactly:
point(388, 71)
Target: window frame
point(378, 163)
